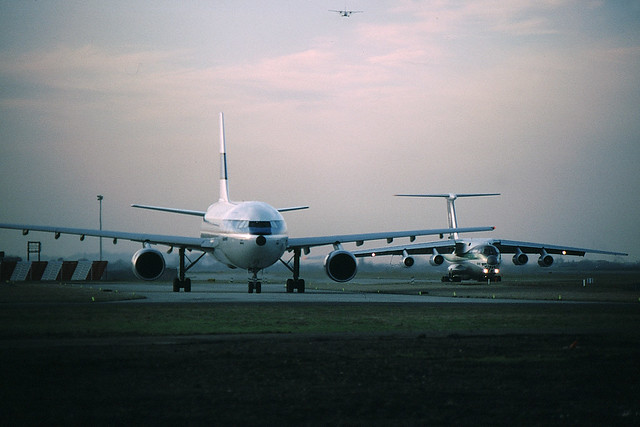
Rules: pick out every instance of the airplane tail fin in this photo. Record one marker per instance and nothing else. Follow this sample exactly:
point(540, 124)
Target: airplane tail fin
point(451, 207)
point(224, 182)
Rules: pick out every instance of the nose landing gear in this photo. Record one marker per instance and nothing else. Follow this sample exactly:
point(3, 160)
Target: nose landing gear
point(254, 282)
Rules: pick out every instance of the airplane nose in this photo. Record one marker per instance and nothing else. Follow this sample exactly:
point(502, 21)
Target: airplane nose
point(492, 260)
point(261, 240)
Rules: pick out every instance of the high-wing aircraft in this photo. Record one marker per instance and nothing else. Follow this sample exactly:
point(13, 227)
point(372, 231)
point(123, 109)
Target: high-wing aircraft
point(248, 235)
point(346, 13)
point(474, 259)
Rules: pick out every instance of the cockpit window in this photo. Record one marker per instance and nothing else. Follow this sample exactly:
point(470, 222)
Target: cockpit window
point(486, 250)
point(260, 227)
point(489, 250)
point(254, 227)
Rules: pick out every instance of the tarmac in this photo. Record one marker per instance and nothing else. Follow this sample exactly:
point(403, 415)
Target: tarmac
point(276, 293)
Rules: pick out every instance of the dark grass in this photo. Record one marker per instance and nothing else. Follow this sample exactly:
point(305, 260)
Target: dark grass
point(66, 360)
point(515, 379)
point(101, 320)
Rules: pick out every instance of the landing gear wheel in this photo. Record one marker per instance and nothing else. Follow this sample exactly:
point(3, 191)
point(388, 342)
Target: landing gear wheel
point(293, 284)
point(255, 286)
point(180, 284)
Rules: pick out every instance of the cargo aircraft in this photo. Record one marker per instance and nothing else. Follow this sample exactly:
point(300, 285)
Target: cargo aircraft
point(474, 259)
point(249, 235)
point(346, 13)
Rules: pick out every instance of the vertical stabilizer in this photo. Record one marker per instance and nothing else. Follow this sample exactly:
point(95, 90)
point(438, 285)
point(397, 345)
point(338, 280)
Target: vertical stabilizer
point(224, 182)
point(451, 206)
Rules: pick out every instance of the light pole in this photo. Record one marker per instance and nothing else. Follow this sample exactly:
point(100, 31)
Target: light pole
point(100, 197)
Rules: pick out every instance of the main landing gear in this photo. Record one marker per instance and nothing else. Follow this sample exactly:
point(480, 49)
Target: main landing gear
point(296, 283)
point(181, 282)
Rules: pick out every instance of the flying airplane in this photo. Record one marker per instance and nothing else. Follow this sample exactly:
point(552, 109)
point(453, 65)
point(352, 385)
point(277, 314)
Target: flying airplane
point(249, 235)
point(346, 13)
point(474, 259)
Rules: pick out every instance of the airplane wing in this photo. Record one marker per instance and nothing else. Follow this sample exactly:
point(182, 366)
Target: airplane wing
point(504, 246)
point(445, 246)
point(196, 243)
point(511, 247)
point(308, 242)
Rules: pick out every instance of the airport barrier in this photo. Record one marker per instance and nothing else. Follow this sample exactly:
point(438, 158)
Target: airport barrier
point(19, 271)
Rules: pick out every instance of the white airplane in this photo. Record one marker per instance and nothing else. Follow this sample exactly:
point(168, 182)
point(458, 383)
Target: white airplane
point(475, 259)
point(346, 13)
point(248, 235)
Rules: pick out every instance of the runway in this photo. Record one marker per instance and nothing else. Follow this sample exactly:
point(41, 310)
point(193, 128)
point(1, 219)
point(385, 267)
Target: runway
point(202, 292)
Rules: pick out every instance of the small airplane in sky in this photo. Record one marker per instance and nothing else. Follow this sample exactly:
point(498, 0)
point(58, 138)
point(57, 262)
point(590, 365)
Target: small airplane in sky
point(474, 259)
point(249, 235)
point(346, 13)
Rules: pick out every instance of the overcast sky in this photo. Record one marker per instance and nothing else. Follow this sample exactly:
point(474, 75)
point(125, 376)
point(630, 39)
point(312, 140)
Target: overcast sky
point(537, 100)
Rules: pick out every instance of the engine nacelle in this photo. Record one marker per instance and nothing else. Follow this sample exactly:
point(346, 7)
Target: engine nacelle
point(436, 260)
point(340, 266)
point(407, 260)
point(148, 264)
point(545, 260)
point(520, 258)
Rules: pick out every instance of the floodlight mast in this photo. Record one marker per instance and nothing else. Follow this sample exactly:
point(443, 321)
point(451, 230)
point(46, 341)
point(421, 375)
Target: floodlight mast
point(100, 197)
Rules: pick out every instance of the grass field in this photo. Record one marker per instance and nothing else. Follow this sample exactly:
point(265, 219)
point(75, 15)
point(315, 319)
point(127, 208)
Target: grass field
point(71, 354)
point(50, 309)
point(100, 320)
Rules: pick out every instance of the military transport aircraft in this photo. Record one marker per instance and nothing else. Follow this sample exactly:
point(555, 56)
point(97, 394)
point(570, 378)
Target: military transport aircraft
point(474, 259)
point(346, 13)
point(248, 235)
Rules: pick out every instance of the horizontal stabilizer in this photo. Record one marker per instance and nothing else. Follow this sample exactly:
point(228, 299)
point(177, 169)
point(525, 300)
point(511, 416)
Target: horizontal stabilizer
point(295, 208)
point(172, 210)
point(449, 195)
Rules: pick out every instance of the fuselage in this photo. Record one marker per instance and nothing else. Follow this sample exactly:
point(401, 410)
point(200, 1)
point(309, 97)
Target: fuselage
point(247, 235)
point(474, 259)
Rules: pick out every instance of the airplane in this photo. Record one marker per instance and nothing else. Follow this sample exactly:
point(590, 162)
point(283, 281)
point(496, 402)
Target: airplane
point(250, 235)
point(346, 13)
point(474, 259)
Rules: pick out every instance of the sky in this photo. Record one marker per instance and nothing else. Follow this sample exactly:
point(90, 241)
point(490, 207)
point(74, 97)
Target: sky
point(536, 100)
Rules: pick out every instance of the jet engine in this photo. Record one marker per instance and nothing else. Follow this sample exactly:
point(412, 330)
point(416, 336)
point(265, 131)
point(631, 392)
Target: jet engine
point(436, 259)
point(340, 265)
point(148, 264)
point(520, 258)
point(545, 259)
point(407, 260)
